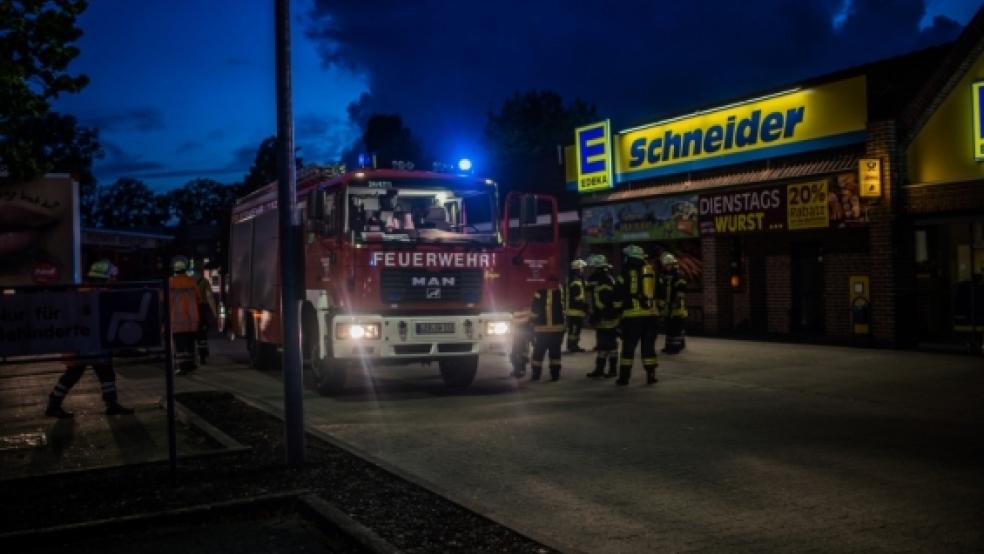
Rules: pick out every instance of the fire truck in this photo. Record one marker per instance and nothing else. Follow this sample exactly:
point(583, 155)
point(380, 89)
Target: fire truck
point(398, 266)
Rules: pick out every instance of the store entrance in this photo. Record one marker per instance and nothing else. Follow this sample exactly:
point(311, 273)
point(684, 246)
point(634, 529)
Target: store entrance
point(808, 290)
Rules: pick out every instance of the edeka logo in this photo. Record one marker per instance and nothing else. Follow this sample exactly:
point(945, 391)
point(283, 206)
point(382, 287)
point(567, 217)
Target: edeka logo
point(593, 156)
point(978, 123)
point(828, 115)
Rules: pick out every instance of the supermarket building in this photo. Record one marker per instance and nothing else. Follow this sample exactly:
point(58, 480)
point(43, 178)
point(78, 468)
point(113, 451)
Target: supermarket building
point(847, 208)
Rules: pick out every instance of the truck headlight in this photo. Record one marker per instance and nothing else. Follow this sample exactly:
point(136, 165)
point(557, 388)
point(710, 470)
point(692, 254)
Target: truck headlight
point(497, 328)
point(357, 331)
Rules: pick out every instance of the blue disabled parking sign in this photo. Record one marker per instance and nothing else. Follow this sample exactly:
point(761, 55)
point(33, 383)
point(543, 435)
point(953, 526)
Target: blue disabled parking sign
point(129, 318)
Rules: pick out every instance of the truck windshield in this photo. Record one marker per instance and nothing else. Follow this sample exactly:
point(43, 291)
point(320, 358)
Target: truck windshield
point(433, 214)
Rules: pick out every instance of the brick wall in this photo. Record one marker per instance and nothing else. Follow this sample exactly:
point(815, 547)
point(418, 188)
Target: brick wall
point(780, 297)
point(717, 297)
point(882, 143)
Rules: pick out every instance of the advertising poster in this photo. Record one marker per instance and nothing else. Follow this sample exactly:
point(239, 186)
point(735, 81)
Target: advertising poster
point(39, 232)
point(668, 218)
point(820, 204)
point(747, 211)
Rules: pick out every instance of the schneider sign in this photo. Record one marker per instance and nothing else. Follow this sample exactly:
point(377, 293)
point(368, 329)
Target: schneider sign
point(786, 123)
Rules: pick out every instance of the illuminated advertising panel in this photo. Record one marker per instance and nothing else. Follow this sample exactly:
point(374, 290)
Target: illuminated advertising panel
point(785, 123)
point(593, 157)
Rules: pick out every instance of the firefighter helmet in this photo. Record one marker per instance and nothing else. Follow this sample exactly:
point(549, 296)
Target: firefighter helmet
point(597, 260)
point(579, 264)
point(103, 269)
point(667, 259)
point(179, 264)
point(634, 251)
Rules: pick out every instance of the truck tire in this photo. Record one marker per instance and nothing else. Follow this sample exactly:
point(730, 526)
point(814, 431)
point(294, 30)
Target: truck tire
point(458, 372)
point(262, 355)
point(329, 376)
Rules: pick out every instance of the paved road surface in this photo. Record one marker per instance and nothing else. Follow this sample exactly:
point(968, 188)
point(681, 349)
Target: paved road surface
point(742, 446)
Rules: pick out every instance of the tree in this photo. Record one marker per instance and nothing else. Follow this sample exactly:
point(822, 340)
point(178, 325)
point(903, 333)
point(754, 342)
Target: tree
point(387, 139)
point(203, 202)
point(36, 47)
point(128, 204)
point(264, 168)
point(524, 137)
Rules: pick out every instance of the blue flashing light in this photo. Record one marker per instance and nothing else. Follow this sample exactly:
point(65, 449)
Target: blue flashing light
point(464, 165)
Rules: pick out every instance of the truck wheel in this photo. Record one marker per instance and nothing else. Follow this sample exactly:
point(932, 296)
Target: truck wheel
point(329, 376)
point(459, 372)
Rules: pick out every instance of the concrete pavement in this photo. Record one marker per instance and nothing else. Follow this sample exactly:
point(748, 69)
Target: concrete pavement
point(742, 446)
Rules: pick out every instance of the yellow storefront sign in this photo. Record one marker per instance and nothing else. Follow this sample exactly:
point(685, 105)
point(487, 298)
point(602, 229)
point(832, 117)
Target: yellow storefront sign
point(978, 126)
point(869, 175)
point(593, 157)
point(786, 123)
point(806, 206)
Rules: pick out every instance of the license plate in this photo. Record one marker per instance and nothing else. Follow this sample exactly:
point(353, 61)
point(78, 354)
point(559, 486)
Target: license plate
point(431, 328)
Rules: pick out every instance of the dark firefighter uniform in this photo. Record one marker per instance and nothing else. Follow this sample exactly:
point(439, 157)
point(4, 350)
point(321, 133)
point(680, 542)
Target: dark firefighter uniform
point(636, 295)
point(207, 313)
point(547, 316)
point(101, 272)
point(604, 316)
point(577, 305)
point(673, 296)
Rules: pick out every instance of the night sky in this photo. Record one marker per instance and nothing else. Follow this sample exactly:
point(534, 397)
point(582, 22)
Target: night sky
point(183, 89)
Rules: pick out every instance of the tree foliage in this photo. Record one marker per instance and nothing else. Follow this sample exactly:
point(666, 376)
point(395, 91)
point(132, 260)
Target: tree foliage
point(203, 202)
point(128, 204)
point(389, 140)
point(526, 136)
point(264, 168)
point(36, 47)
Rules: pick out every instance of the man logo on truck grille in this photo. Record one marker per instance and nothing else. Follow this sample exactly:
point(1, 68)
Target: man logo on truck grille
point(432, 282)
point(433, 293)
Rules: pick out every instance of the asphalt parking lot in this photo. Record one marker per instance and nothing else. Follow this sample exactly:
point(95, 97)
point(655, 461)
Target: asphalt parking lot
point(741, 446)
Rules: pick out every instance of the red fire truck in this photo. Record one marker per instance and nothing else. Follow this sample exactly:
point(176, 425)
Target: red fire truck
point(399, 266)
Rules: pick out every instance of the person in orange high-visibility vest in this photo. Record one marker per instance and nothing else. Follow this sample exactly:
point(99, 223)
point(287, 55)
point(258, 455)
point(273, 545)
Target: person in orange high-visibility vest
point(185, 299)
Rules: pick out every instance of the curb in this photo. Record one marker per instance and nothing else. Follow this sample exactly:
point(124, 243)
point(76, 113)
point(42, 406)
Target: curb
point(307, 504)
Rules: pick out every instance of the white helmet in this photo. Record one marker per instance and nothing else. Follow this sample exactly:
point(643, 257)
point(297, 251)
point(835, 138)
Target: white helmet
point(579, 264)
point(597, 260)
point(667, 259)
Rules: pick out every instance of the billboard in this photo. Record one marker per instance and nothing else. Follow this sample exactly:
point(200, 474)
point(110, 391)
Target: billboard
point(819, 204)
point(39, 232)
point(790, 122)
point(661, 218)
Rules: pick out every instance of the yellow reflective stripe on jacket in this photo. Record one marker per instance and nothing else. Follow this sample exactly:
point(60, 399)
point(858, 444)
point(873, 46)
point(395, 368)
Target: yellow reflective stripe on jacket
point(641, 283)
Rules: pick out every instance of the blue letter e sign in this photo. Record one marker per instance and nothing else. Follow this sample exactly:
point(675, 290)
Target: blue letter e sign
point(593, 148)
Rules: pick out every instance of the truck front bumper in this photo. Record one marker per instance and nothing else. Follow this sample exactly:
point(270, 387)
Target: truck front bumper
point(418, 337)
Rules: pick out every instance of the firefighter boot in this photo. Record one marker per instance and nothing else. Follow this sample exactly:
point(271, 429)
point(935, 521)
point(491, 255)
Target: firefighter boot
point(624, 374)
point(651, 376)
point(555, 373)
point(115, 408)
point(55, 409)
point(612, 368)
point(599, 370)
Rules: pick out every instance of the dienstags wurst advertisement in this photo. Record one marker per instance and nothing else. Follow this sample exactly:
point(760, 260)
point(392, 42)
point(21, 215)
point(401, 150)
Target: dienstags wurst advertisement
point(39, 232)
point(817, 204)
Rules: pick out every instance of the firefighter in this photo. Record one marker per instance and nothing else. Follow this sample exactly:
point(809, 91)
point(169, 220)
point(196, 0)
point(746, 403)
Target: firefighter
point(207, 313)
point(185, 300)
point(636, 296)
point(673, 297)
point(604, 316)
point(547, 317)
point(101, 272)
point(577, 305)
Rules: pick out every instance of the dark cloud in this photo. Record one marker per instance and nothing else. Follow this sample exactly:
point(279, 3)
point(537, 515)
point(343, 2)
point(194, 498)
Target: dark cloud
point(138, 119)
point(118, 162)
point(443, 65)
point(322, 139)
point(244, 156)
point(188, 146)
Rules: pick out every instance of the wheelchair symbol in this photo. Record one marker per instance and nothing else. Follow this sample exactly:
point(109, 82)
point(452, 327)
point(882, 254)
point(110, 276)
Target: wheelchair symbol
point(126, 326)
